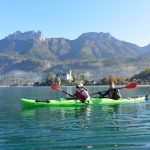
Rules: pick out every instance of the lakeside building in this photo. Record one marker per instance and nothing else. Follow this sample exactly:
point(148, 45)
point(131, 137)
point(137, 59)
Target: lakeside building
point(66, 77)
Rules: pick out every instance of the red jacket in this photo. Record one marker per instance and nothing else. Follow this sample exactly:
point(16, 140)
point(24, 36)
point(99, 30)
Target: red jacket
point(80, 96)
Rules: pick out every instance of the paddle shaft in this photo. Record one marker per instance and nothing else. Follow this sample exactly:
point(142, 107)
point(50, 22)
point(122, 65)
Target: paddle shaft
point(67, 93)
point(106, 91)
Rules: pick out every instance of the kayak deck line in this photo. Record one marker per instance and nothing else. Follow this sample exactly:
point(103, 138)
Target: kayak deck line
point(75, 102)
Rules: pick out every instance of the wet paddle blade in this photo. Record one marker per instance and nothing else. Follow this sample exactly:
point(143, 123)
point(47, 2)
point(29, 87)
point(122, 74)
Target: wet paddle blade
point(131, 86)
point(55, 87)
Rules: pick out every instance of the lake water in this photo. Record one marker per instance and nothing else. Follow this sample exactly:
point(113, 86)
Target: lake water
point(104, 127)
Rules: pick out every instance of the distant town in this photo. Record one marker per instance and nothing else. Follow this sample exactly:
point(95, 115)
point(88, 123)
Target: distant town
point(70, 79)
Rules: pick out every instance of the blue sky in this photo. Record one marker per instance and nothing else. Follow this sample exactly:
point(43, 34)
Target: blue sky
point(127, 20)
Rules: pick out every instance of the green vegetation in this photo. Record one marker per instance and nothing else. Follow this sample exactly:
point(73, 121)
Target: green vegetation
point(115, 79)
point(142, 77)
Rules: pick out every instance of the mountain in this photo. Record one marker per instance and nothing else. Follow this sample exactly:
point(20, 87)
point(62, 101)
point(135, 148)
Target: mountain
point(92, 45)
point(88, 45)
point(93, 53)
point(100, 45)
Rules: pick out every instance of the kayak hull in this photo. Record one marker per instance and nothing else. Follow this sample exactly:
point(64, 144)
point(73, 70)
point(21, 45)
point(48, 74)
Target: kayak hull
point(94, 101)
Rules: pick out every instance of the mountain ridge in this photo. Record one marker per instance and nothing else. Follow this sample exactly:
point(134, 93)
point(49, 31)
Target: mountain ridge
point(87, 45)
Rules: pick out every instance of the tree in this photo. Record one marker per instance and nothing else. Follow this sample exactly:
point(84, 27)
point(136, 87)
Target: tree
point(50, 79)
point(115, 79)
point(57, 80)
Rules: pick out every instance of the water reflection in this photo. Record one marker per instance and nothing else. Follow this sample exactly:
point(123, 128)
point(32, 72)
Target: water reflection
point(80, 112)
point(72, 118)
point(95, 127)
point(57, 112)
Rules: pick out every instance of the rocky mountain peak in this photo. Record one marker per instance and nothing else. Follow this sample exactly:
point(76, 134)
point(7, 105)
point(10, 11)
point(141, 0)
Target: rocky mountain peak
point(96, 36)
point(18, 35)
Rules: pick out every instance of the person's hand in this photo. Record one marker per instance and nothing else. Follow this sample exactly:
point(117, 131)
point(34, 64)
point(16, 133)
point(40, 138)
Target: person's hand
point(100, 93)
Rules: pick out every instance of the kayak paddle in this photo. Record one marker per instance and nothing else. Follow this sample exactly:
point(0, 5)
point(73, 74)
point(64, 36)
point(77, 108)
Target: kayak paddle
point(128, 86)
point(57, 88)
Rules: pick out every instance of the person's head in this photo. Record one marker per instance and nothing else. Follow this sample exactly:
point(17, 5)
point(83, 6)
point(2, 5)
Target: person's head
point(111, 84)
point(80, 86)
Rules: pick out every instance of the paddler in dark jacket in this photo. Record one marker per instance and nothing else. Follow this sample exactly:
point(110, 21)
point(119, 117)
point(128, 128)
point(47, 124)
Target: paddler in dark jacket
point(112, 92)
point(82, 93)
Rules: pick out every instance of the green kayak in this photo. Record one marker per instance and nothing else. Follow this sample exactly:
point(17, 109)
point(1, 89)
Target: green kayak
point(94, 101)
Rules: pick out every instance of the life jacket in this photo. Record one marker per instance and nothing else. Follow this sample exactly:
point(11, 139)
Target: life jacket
point(80, 96)
point(111, 92)
point(114, 94)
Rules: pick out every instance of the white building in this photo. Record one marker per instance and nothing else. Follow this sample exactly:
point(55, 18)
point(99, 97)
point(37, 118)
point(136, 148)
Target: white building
point(66, 76)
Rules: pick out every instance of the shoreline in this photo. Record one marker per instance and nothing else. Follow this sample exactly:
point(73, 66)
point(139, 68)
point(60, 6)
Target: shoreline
point(145, 85)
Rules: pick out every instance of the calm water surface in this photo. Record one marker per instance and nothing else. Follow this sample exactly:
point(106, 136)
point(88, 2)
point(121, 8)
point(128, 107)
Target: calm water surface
point(120, 127)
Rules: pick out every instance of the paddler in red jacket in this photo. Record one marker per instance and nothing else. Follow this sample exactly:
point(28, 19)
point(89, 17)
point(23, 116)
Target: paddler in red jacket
point(82, 93)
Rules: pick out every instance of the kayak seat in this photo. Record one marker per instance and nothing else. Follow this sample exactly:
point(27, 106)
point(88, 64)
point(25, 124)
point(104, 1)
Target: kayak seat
point(45, 101)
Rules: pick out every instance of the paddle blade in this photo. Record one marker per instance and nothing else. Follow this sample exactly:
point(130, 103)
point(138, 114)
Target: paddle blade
point(131, 86)
point(55, 87)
